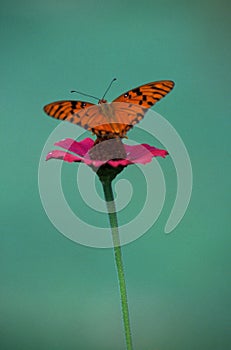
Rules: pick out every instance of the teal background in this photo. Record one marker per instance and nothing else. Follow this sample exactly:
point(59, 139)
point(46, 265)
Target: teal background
point(56, 294)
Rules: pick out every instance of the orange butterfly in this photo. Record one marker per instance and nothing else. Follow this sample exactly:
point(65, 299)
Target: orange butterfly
point(111, 120)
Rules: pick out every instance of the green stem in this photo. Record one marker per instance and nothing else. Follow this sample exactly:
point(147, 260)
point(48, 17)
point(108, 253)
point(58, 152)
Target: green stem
point(108, 193)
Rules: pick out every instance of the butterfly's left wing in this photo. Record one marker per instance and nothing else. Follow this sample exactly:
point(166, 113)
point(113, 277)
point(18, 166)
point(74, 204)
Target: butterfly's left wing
point(89, 116)
point(72, 111)
point(136, 102)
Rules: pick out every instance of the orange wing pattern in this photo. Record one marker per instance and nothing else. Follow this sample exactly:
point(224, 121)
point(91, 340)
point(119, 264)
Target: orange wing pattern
point(88, 115)
point(71, 111)
point(131, 106)
point(147, 95)
point(108, 120)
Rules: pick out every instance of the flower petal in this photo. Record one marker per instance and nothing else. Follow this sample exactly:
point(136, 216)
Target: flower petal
point(156, 151)
point(67, 157)
point(143, 153)
point(80, 148)
point(138, 154)
point(70, 158)
point(119, 162)
point(134, 154)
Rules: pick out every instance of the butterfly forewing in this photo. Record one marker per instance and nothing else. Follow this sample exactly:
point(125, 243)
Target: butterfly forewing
point(147, 95)
point(72, 111)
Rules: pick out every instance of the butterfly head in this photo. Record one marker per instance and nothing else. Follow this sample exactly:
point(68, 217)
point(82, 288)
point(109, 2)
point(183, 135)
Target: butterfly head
point(102, 101)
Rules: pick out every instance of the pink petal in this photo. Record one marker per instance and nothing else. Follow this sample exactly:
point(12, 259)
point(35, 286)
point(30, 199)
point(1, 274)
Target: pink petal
point(80, 148)
point(138, 154)
point(119, 162)
point(70, 158)
point(67, 157)
point(135, 154)
point(156, 151)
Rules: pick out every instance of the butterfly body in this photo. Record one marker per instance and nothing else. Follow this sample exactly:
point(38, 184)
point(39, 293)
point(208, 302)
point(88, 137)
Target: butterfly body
point(111, 120)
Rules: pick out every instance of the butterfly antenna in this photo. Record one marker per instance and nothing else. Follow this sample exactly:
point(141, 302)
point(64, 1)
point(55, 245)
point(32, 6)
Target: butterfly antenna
point(81, 93)
point(108, 88)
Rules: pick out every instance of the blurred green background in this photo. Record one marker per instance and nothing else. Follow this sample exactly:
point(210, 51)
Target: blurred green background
point(56, 294)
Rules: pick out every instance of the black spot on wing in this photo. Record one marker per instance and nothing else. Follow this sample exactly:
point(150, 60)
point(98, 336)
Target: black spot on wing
point(137, 91)
point(73, 104)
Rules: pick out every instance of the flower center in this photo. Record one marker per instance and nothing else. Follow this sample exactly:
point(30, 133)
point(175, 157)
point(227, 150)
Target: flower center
point(108, 149)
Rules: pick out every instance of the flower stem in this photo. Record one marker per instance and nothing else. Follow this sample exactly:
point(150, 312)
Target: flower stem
point(108, 193)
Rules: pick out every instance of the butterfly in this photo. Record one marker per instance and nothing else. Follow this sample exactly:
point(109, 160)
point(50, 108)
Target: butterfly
point(111, 120)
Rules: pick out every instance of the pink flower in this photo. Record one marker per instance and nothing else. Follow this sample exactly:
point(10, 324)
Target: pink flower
point(111, 152)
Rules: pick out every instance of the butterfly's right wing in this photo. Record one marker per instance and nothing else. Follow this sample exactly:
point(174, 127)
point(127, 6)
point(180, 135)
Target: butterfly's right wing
point(131, 107)
point(76, 112)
